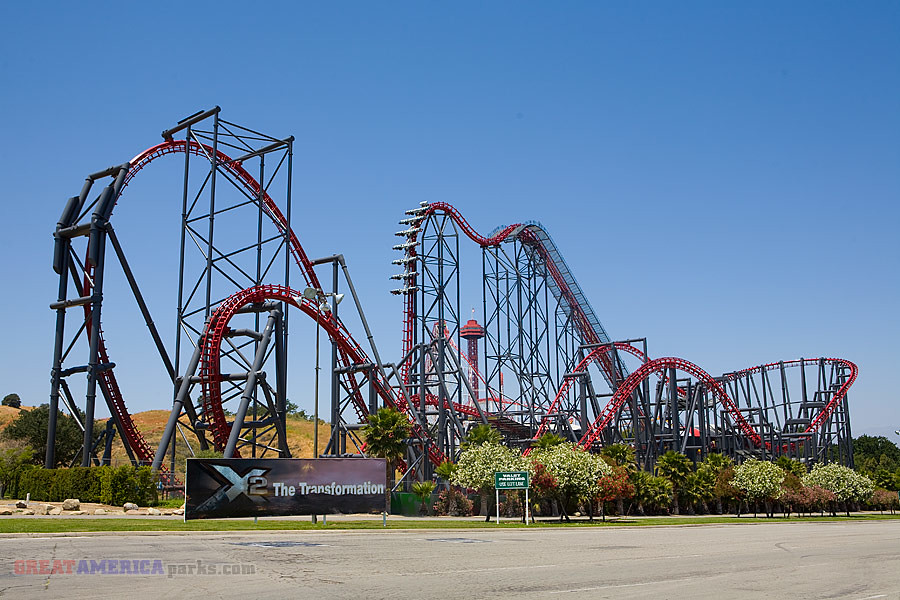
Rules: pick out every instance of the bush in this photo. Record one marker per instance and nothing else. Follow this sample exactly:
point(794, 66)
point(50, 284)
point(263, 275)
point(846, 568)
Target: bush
point(884, 499)
point(453, 503)
point(846, 484)
point(106, 485)
point(76, 482)
point(513, 505)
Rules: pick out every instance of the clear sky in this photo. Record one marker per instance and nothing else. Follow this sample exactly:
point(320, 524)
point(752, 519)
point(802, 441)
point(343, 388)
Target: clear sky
point(722, 178)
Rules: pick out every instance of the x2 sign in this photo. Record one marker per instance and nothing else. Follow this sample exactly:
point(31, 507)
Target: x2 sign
point(251, 487)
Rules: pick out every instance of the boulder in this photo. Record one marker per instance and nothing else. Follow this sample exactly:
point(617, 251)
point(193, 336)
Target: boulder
point(41, 509)
point(153, 511)
point(76, 513)
point(5, 511)
point(71, 504)
point(21, 504)
point(178, 511)
point(134, 511)
point(55, 511)
point(100, 511)
point(129, 506)
point(24, 511)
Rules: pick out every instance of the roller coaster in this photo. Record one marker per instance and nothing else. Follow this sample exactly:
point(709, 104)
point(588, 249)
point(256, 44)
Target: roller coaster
point(540, 361)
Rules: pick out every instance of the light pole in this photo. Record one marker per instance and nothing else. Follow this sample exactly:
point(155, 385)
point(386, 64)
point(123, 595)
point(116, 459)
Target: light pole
point(321, 300)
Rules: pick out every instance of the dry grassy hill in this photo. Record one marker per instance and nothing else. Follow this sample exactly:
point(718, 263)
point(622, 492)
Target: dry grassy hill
point(152, 422)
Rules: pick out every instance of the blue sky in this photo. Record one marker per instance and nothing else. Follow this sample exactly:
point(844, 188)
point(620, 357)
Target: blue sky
point(722, 178)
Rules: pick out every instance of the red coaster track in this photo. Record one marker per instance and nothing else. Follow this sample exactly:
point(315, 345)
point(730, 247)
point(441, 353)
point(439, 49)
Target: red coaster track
point(350, 353)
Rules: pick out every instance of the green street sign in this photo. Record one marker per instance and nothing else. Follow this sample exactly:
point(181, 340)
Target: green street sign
point(511, 480)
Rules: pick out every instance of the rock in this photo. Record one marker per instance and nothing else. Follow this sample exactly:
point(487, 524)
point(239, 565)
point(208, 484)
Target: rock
point(153, 511)
point(55, 511)
point(5, 512)
point(134, 511)
point(129, 506)
point(71, 504)
point(75, 513)
point(178, 511)
point(21, 504)
point(100, 511)
point(41, 509)
point(24, 511)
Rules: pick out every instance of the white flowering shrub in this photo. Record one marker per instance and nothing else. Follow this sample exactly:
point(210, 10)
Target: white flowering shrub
point(576, 471)
point(476, 466)
point(758, 479)
point(846, 484)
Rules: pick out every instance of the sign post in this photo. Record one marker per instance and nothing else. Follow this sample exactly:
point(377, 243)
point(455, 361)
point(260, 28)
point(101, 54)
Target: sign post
point(511, 480)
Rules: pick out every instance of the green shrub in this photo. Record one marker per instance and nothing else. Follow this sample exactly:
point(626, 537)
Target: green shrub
point(106, 485)
point(453, 503)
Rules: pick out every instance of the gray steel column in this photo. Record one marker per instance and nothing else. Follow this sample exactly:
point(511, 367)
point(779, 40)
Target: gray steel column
point(214, 167)
point(335, 395)
point(97, 251)
point(249, 386)
point(176, 407)
point(61, 266)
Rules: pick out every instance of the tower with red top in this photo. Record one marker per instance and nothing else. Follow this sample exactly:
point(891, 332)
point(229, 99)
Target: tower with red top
point(473, 332)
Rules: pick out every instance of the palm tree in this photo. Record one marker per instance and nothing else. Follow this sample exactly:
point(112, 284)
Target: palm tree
point(650, 493)
point(386, 436)
point(675, 467)
point(445, 471)
point(422, 491)
point(621, 455)
point(479, 435)
point(548, 440)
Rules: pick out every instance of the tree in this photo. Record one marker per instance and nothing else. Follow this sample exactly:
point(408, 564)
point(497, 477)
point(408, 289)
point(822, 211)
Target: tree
point(548, 440)
point(873, 452)
point(30, 427)
point(422, 490)
point(480, 434)
point(615, 486)
point(445, 470)
point(620, 455)
point(724, 491)
point(791, 465)
point(882, 499)
point(651, 493)
point(675, 467)
point(12, 400)
point(759, 480)
point(699, 488)
point(711, 468)
point(846, 484)
point(575, 470)
point(543, 486)
point(386, 435)
point(477, 464)
point(792, 493)
point(12, 462)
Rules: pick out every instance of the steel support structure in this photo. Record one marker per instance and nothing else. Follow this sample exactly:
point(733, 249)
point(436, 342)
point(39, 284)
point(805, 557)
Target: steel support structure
point(210, 267)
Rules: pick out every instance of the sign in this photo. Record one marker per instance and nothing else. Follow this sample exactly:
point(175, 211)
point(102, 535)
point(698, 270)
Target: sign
point(256, 487)
point(511, 480)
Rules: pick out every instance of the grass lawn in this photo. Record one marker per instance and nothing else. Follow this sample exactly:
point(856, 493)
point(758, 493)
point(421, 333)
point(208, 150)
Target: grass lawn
point(74, 524)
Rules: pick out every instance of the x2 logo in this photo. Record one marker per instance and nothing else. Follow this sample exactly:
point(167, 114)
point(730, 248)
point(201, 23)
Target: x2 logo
point(252, 484)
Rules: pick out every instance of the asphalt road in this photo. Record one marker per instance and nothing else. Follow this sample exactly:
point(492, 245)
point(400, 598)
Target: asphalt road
point(858, 560)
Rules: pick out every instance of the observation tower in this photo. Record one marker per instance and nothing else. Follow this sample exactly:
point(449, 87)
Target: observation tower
point(472, 332)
